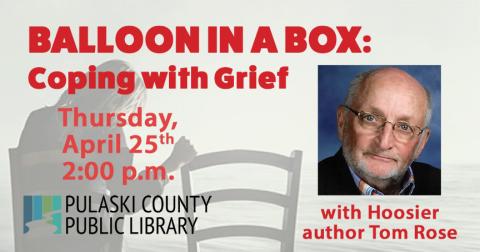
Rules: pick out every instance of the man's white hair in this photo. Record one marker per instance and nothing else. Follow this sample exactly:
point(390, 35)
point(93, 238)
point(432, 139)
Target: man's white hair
point(360, 79)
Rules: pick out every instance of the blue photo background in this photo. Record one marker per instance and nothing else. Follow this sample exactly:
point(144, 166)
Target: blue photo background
point(333, 83)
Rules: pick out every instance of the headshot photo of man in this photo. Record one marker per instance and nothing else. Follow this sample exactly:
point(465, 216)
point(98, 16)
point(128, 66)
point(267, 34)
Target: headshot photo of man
point(384, 122)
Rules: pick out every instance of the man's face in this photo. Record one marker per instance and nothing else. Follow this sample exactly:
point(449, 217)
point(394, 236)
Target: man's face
point(378, 156)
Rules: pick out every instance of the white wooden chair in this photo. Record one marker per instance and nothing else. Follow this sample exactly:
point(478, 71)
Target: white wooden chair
point(288, 201)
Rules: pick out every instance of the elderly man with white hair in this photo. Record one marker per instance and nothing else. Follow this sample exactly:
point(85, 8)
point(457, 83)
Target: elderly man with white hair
point(383, 128)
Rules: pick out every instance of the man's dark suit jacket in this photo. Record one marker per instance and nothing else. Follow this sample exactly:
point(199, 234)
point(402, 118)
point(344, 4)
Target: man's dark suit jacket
point(334, 178)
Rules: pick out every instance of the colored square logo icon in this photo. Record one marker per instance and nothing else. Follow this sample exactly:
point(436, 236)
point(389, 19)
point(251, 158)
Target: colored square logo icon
point(42, 208)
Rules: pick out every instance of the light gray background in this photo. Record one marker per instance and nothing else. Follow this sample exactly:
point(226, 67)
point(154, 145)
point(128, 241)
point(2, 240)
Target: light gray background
point(443, 33)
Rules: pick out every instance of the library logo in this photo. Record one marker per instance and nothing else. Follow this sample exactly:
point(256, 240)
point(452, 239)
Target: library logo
point(44, 211)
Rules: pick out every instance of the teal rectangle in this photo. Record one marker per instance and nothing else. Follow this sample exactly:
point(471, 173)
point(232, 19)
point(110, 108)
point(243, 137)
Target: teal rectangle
point(37, 207)
point(56, 204)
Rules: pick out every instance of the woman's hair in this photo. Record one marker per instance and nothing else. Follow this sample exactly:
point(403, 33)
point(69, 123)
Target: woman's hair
point(107, 100)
